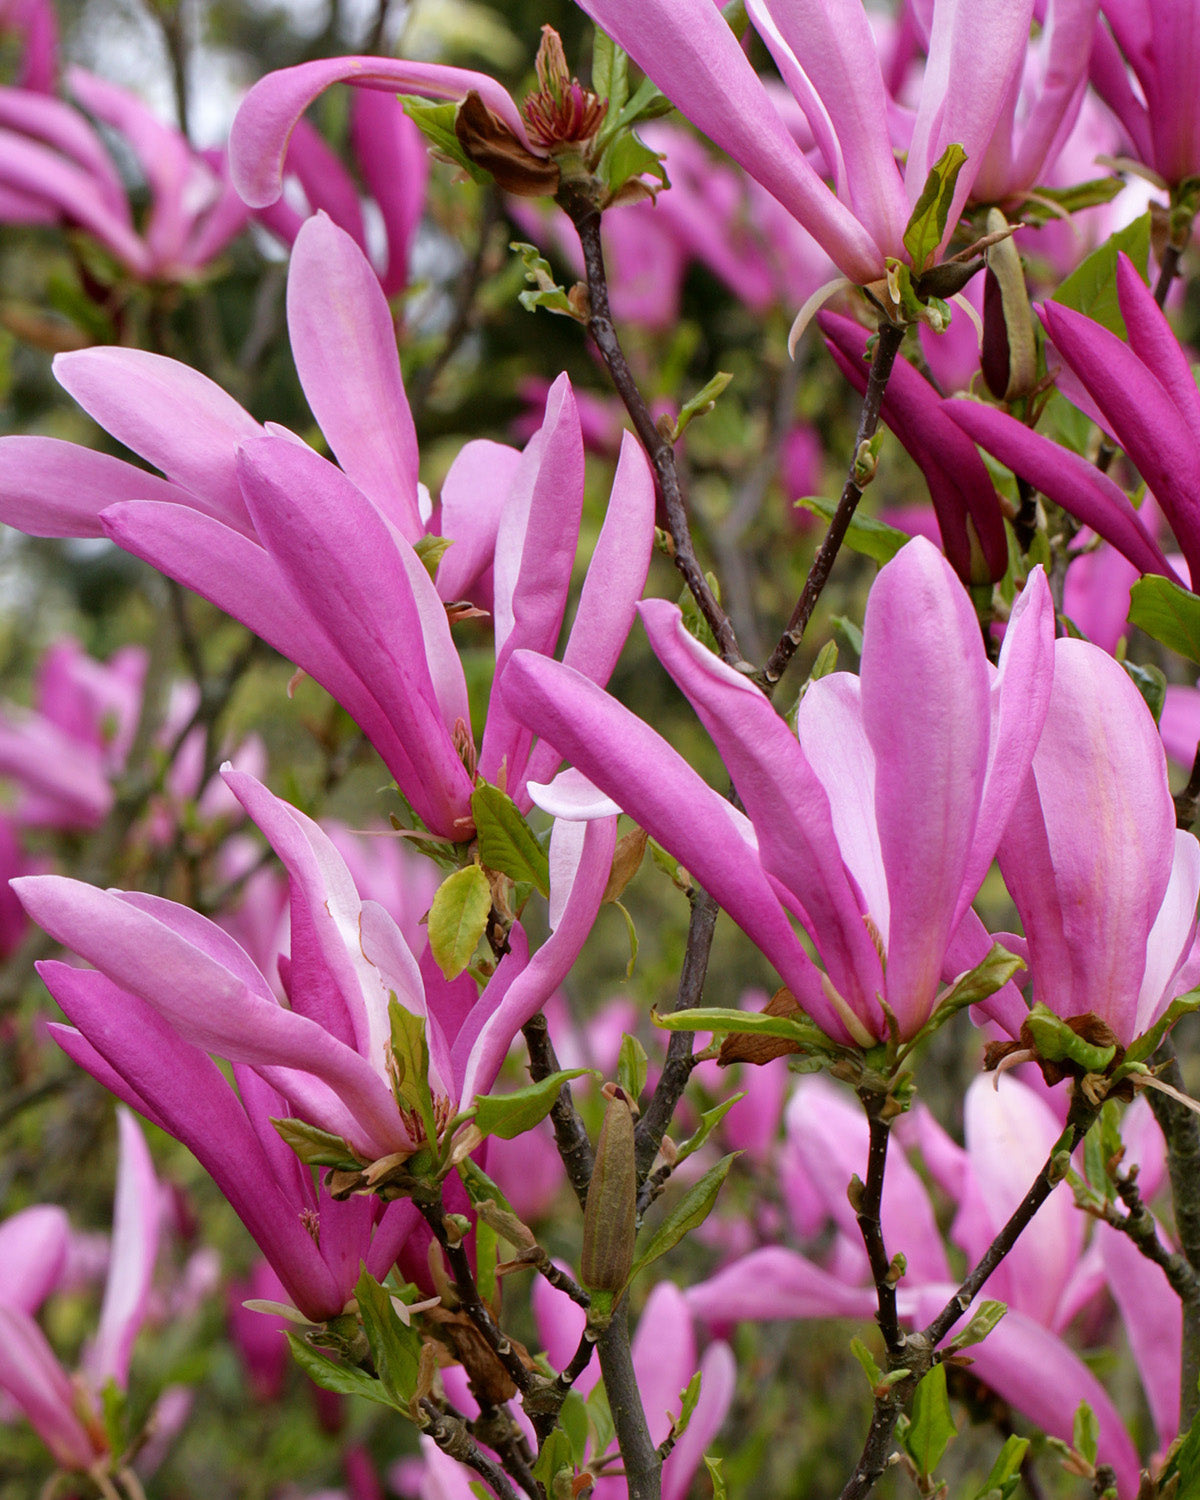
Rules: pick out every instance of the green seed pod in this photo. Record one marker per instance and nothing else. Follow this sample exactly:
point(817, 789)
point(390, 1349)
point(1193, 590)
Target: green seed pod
point(610, 1218)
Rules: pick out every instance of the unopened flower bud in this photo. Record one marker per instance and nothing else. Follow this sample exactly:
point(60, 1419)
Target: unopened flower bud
point(610, 1216)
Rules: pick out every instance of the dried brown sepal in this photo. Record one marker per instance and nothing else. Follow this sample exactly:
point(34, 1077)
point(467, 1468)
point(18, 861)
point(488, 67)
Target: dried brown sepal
point(466, 1346)
point(741, 1046)
point(1090, 1027)
point(492, 145)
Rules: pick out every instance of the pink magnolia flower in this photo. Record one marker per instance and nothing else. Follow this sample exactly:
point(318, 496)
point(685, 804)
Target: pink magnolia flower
point(875, 827)
point(168, 986)
point(319, 559)
point(828, 58)
point(1105, 885)
point(1159, 42)
point(35, 23)
point(1143, 394)
point(54, 168)
point(1045, 1281)
point(66, 1412)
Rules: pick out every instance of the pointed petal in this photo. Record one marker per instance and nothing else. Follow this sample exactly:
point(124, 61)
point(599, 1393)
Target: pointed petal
point(36, 1381)
point(344, 345)
point(131, 1259)
point(1153, 1321)
point(473, 497)
point(33, 1248)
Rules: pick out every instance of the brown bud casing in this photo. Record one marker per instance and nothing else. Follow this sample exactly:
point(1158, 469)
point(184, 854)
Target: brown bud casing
point(610, 1215)
point(490, 144)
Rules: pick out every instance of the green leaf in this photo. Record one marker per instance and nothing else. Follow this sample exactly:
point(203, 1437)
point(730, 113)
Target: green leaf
point(1006, 1471)
point(395, 1346)
point(693, 621)
point(1185, 1461)
point(436, 124)
point(431, 549)
point(688, 1398)
point(314, 1147)
point(825, 663)
point(715, 1467)
point(709, 1120)
point(1167, 612)
point(867, 1360)
point(480, 1186)
point(1036, 209)
point(600, 1416)
point(610, 72)
point(510, 1115)
point(506, 841)
point(1085, 1433)
point(849, 633)
point(927, 224)
point(112, 1405)
point(631, 933)
point(410, 1056)
point(573, 1419)
point(345, 1380)
point(874, 539)
point(631, 1067)
point(1091, 288)
point(983, 1320)
point(1151, 682)
point(626, 157)
point(1146, 1045)
point(691, 1211)
point(702, 402)
point(725, 1022)
point(555, 1456)
point(1056, 1042)
point(544, 291)
point(458, 919)
point(647, 103)
point(670, 866)
point(485, 1260)
point(932, 1422)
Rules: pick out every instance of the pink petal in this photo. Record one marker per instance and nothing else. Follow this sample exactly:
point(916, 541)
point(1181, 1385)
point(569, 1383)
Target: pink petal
point(131, 1259)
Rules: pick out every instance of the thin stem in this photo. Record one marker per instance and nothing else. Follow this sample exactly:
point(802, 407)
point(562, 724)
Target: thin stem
point(643, 1467)
point(472, 1303)
point(570, 1133)
point(679, 1064)
point(1182, 1132)
point(586, 217)
point(868, 1210)
point(887, 346)
point(565, 1284)
point(1167, 271)
point(578, 1363)
point(1139, 1224)
point(453, 1439)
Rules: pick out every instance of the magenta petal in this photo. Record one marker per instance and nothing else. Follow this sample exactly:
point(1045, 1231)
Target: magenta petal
point(33, 1248)
point(473, 497)
point(174, 417)
point(926, 713)
point(49, 120)
point(264, 122)
point(774, 1284)
point(52, 488)
point(1153, 1321)
point(131, 1260)
point(33, 1377)
point(394, 159)
point(344, 345)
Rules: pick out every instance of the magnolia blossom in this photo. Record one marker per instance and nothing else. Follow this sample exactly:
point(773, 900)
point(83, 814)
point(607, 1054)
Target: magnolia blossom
point(54, 168)
point(827, 56)
point(1159, 42)
point(318, 558)
point(1143, 394)
point(1105, 885)
point(875, 827)
point(1046, 1280)
point(35, 23)
point(168, 986)
point(67, 1411)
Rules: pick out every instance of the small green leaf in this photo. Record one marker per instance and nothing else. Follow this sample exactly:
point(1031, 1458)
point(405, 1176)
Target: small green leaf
point(1167, 612)
point(670, 866)
point(458, 919)
point(688, 1398)
point(506, 841)
point(702, 402)
point(1151, 682)
point(436, 124)
point(867, 1360)
point(716, 1474)
point(631, 1067)
point(610, 72)
point(314, 1147)
point(631, 933)
point(112, 1404)
point(1091, 288)
point(1056, 1042)
point(573, 1419)
point(510, 1115)
point(1184, 1461)
point(1006, 1471)
point(849, 633)
point(693, 621)
point(1085, 1432)
point(709, 1120)
point(544, 290)
point(1147, 1044)
point(825, 663)
point(345, 1380)
point(932, 1422)
point(983, 1320)
point(601, 1419)
point(555, 1456)
point(691, 1211)
point(410, 1055)
point(874, 539)
point(431, 549)
point(725, 1022)
point(1037, 210)
point(480, 1186)
point(395, 1346)
point(927, 224)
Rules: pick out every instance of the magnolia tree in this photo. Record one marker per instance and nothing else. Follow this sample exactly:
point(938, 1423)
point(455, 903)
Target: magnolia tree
point(934, 816)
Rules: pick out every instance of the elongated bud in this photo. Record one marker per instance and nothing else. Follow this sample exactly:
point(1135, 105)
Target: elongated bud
point(610, 1218)
point(1009, 346)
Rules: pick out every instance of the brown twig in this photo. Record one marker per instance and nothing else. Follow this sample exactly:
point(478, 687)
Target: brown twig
point(868, 1210)
point(887, 346)
point(570, 1133)
point(452, 1437)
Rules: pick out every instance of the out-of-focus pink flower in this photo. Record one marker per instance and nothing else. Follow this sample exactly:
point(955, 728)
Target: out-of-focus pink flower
point(54, 168)
point(35, 23)
point(66, 1411)
point(1159, 42)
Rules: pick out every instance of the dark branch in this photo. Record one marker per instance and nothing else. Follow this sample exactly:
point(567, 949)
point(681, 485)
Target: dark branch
point(570, 1133)
point(868, 1210)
